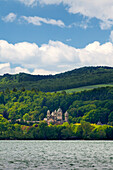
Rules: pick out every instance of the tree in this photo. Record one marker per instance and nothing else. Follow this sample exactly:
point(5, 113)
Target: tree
point(66, 132)
point(26, 117)
point(22, 89)
point(51, 132)
point(5, 114)
point(98, 133)
point(14, 89)
point(79, 132)
point(86, 128)
point(109, 132)
point(41, 116)
point(42, 128)
point(110, 117)
point(92, 116)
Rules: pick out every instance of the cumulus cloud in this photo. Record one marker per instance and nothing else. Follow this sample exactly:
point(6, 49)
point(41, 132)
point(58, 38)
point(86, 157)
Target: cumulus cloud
point(53, 57)
point(38, 21)
point(29, 2)
point(9, 18)
point(43, 72)
point(96, 54)
point(100, 9)
point(6, 68)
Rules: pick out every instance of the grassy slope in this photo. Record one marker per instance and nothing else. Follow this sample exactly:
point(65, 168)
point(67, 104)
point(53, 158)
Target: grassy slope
point(87, 88)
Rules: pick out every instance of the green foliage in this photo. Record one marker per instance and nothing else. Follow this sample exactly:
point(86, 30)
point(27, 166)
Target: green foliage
point(77, 78)
point(26, 117)
point(99, 132)
point(85, 107)
point(110, 117)
point(42, 131)
point(84, 130)
point(91, 106)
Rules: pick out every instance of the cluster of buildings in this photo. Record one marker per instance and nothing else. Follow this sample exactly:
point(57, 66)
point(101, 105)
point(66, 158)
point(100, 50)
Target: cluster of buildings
point(56, 117)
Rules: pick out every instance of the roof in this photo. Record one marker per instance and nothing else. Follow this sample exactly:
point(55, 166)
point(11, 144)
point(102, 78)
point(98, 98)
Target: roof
point(66, 113)
point(59, 110)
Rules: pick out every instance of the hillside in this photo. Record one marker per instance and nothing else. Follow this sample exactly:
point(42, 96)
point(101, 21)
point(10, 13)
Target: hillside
point(22, 112)
point(92, 105)
point(85, 76)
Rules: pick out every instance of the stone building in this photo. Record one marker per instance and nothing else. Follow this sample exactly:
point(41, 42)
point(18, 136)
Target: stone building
point(56, 117)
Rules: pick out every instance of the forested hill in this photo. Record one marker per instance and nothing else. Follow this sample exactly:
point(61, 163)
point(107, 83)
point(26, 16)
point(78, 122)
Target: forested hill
point(76, 78)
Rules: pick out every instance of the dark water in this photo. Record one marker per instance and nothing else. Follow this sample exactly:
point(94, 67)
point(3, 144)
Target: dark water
point(56, 155)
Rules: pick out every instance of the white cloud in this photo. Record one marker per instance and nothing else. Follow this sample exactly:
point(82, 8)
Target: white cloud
point(83, 24)
point(100, 9)
point(9, 18)
point(111, 36)
point(5, 65)
point(49, 2)
point(107, 24)
point(53, 57)
point(96, 54)
point(38, 21)
point(29, 2)
point(43, 72)
point(6, 68)
point(69, 39)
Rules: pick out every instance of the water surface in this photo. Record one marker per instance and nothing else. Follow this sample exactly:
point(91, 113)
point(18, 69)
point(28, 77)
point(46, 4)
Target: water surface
point(33, 155)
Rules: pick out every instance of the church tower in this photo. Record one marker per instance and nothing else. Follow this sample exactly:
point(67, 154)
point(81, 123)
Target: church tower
point(66, 116)
point(59, 114)
point(48, 114)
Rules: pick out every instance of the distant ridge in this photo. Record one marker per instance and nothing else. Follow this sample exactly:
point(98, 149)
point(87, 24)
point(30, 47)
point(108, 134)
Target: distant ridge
point(84, 76)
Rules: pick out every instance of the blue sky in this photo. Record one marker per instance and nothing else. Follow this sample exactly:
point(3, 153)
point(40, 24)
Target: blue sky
point(53, 36)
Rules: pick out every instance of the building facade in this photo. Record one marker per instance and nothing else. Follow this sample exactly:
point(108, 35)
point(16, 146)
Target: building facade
point(56, 117)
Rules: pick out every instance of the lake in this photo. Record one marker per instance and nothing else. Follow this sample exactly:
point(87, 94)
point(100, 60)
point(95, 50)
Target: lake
point(56, 155)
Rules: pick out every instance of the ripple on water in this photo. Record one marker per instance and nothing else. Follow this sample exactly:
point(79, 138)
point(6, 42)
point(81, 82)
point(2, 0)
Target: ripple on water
point(56, 155)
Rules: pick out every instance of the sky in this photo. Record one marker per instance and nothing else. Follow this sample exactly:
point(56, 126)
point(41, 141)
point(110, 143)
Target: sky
point(53, 36)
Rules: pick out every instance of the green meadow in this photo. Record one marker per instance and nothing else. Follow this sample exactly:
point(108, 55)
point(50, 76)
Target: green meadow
point(87, 88)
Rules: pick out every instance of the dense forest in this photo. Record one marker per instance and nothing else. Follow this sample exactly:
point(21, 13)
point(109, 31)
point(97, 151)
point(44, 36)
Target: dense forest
point(54, 132)
point(76, 78)
point(86, 108)
point(25, 98)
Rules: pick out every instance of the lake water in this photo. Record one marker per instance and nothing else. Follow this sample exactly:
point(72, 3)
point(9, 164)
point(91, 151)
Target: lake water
point(53, 155)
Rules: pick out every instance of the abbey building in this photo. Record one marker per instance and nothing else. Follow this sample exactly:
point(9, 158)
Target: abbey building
point(56, 117)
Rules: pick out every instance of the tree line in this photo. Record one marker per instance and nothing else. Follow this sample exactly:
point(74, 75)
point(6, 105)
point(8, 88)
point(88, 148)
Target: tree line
point(76, 78)
point(54, 132)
